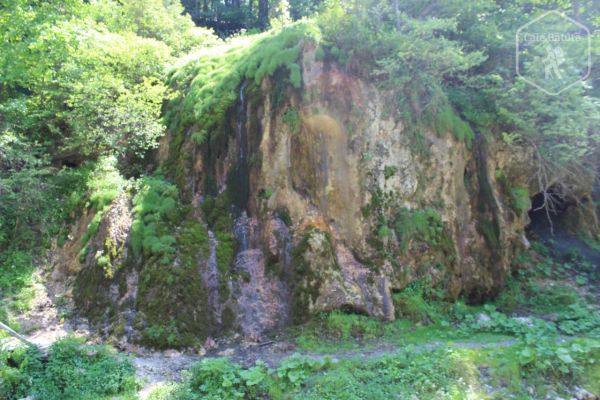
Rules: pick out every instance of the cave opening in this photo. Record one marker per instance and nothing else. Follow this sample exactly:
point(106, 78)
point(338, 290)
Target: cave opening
point(544, 220)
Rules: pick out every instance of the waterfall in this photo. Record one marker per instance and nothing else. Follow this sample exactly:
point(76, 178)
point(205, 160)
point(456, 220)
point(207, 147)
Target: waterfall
point(239, 180)
point(241, 231)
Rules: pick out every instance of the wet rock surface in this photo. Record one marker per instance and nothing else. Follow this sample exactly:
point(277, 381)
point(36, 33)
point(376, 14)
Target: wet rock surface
point(381, 212)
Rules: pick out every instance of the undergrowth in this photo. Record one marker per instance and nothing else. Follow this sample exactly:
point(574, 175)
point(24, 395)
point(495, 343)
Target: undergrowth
point(73, 371)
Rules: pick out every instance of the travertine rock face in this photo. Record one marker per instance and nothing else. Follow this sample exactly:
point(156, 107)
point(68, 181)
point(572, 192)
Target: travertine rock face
point(335, 203)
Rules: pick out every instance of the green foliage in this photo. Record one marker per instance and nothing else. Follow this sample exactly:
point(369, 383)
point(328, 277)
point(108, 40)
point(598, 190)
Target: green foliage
point(79, 79)
point(345, 326)
point(16, 370)
point(218, 216)
point(420, 225)
point(16, 267)
point(406, 374)
point(445, 120)
point(415, 304)
point(94, 93)
point(164, 21)
point(105, 183)
point(154, 202)
point(35, 199)
point(73, 371)
point(219, 378)
point(210, 84)
point(540, 356)
point(518, 196)
point(292, 118)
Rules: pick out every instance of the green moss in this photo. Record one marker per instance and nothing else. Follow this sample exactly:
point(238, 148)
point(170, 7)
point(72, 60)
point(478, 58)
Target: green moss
point(173, 303)
point(91, 294)
point(192, 239)
point(420, 225)
point(154, 206)
point(212, 81)
point(446, 120)
point(487, 223)
point(218, 216)
point(104, 184)
point(225, 250)
point(292, 119)
point(518, 197)
point(265, 193)
point(90, 232)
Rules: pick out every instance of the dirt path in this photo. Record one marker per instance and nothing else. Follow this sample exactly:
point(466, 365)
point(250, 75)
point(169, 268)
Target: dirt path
point(161, 368)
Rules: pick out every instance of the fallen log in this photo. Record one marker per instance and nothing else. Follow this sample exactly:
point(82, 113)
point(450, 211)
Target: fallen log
point(22, 338)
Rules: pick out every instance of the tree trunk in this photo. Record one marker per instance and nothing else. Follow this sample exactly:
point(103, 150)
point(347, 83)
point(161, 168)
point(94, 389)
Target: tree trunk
point(263, 13)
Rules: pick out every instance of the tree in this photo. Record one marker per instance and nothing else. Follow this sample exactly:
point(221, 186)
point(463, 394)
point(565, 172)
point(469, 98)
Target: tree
point(263, 14)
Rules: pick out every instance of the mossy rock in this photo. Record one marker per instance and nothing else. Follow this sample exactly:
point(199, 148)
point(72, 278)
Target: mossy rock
point(173, 302)
point(312, 258)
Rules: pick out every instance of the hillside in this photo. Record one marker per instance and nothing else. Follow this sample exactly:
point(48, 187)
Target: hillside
point(367, 203)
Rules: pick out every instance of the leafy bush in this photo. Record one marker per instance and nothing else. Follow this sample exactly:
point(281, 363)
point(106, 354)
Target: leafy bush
point(74, 371)
point(540, 356)
point(345, 326)
point(219, 378)
point(213, 379)
point(414, 304)
point(17, 368)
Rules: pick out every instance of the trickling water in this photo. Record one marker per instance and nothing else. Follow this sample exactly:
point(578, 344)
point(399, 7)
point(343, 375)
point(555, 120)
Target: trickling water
point(286, 243)
point(241, 128)
point(238, 180)
point(241, 231)
point(210, 275)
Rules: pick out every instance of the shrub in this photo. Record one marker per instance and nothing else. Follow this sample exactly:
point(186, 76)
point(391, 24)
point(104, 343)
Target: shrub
point(74, 371)
point(412, 303)
point(213, 379)
point(346, 326)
